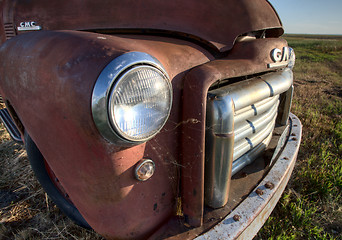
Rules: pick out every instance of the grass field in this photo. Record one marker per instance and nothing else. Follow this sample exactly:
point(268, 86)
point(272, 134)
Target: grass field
point(311, 206)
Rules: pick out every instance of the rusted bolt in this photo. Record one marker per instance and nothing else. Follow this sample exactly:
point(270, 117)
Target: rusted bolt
point(293, 134)
point(295, 125)
point(259, 192)
point(285, 158)
point(269, 185)
point(294, 139)
point(236, 218)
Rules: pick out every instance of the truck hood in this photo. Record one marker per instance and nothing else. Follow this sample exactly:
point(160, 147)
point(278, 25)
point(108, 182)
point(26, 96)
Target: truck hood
point(216, 23)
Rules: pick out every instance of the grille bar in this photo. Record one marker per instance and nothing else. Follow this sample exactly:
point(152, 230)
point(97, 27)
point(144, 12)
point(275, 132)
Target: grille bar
point(10, 126)
point(239, 125)
point(256, 89)
point(249, 157)
point(255, 124)
point(253, 140)
point(254, 109)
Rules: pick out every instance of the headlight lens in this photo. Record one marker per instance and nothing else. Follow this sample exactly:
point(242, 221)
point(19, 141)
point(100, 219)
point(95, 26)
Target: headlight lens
point(140, 103)
point(131, 99)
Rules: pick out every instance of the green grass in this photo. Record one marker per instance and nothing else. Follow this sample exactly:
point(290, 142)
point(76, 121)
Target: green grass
point(311, 207)
point(316, 50)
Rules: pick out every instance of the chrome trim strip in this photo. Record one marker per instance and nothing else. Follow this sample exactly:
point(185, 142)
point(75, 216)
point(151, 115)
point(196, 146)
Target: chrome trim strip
point(254, 109)
point(278, 64)
point(33, 28)
point(269, 85)
point(219, 150)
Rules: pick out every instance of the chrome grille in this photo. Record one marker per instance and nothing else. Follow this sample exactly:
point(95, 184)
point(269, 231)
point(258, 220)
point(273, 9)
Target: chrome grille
point(252, 130)
point(240, 121)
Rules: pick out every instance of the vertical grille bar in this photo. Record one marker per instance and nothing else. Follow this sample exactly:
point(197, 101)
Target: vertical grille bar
point(220, 140)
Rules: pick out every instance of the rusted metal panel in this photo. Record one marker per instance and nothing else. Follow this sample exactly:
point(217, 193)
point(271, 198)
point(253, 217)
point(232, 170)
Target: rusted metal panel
point(246, 220)
point(7, 29)
point(99, 175)
point(54, 73)
point(217, 23)
point(2, 30)
point(245, 58)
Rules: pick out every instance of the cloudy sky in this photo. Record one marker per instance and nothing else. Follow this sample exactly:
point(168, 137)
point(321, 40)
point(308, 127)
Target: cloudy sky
point(310, 16)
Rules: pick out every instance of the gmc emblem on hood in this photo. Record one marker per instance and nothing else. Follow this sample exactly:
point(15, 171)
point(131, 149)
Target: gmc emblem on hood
point(279, 57)
point(28, 26)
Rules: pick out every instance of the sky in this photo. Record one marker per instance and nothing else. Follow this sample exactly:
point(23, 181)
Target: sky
point(310, 16)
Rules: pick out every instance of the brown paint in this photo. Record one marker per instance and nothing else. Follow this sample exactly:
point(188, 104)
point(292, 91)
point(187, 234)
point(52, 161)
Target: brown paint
point(216, 23)
point(98, 176)
point(54, 72)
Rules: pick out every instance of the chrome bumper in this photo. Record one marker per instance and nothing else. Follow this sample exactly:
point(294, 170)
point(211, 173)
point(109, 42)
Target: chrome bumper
point(250, 215)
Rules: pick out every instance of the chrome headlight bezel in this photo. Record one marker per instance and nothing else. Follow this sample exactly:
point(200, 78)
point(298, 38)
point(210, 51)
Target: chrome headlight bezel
point(103, 88)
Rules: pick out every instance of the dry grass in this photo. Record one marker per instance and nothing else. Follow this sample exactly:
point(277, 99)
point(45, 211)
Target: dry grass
point(311, 207)
point(25, 210)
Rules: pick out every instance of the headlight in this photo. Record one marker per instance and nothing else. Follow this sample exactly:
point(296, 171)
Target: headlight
point(132, 98)
point(140, 103)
